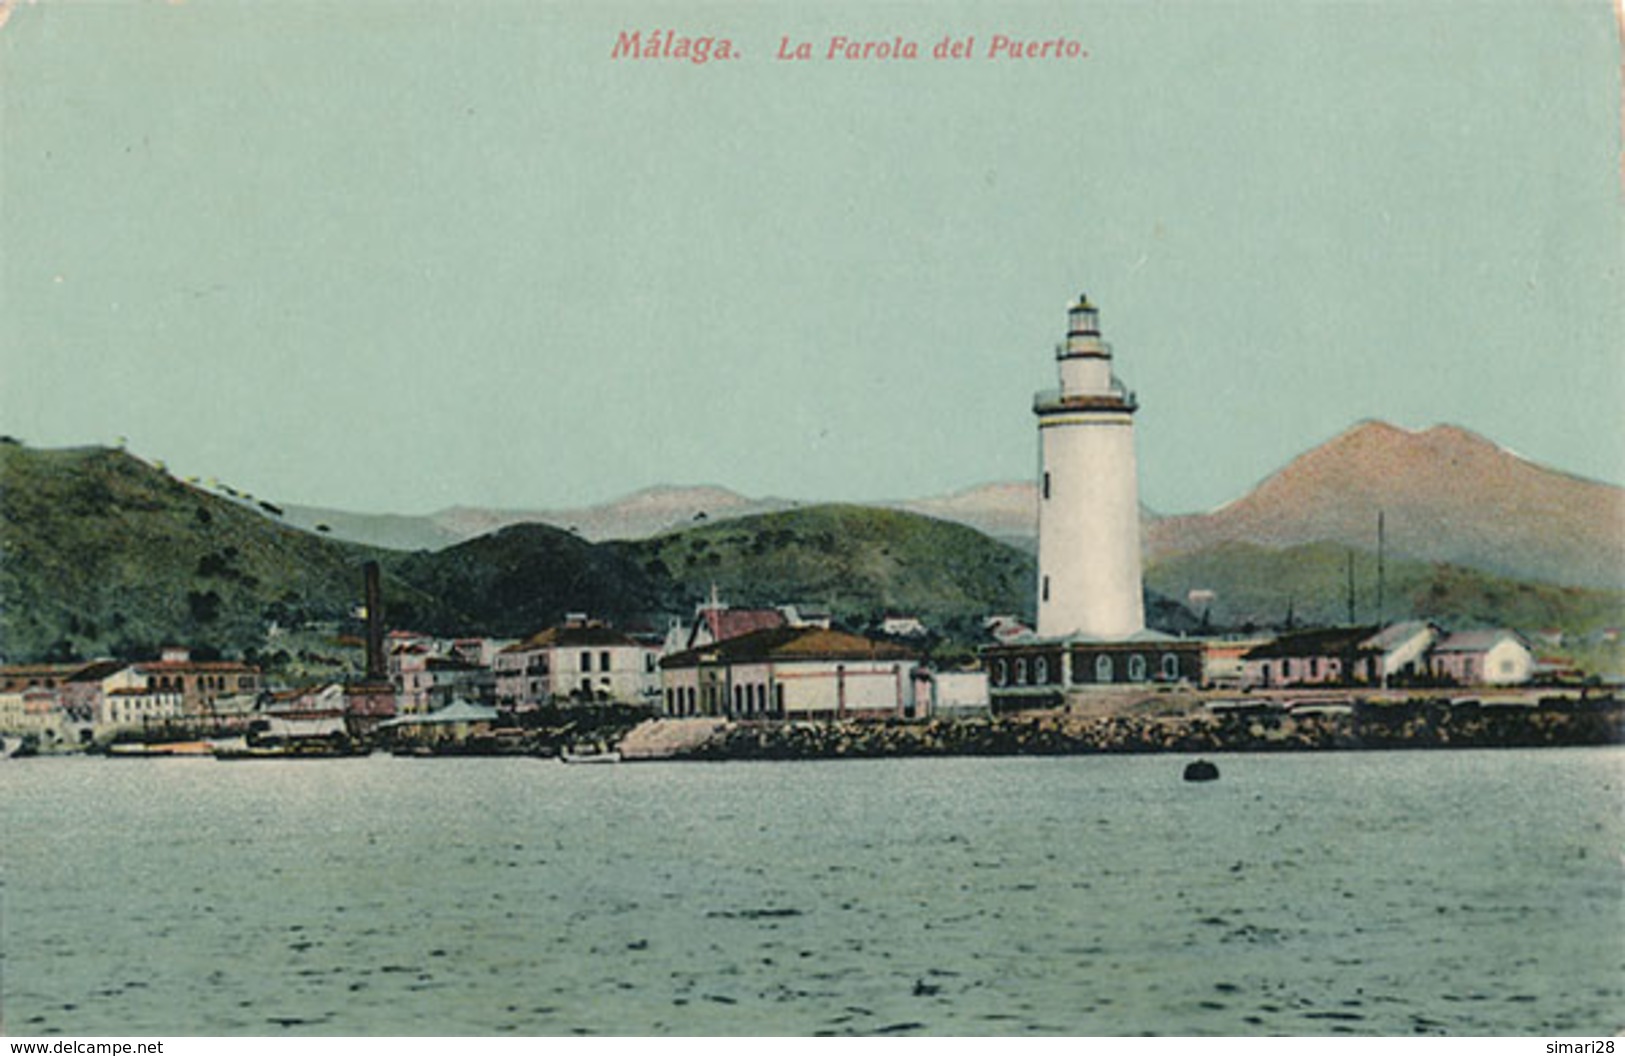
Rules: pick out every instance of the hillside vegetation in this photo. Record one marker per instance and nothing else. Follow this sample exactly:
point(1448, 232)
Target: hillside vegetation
point(859, 563)
point(523, 578)
point(1257, 586)
point(103, 554)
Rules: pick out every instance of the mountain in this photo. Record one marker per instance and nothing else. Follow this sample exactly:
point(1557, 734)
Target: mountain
point(1006, 511)
point(1446, 494)
point(101, 553)
point(635, 516)
point(392, 531)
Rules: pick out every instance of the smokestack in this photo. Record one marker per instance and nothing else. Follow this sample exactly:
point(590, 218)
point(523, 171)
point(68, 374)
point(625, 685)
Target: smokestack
point(375, 624)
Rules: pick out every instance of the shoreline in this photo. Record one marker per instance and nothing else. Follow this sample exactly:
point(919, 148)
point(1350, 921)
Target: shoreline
point(1411, 727)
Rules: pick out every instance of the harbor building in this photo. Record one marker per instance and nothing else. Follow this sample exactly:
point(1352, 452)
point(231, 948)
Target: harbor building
point(796, 673)
point(1091, 610)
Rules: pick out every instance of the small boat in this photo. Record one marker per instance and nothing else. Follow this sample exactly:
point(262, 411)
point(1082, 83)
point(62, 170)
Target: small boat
point(590, 757)
point(1201, 770)
point(237, 753)
point(164, 750)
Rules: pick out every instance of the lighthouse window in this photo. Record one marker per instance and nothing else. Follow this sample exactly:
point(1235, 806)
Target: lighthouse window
point(1046, 588)
point(1046, 485)
point(1103, 669)
point(1136, 668)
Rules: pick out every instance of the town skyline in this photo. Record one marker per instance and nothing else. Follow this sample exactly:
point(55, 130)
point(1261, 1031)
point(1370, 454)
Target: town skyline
point(509, 272)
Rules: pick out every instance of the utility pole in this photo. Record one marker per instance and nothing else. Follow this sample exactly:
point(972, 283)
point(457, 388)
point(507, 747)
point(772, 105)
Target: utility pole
point(1381, 555)
point(1351, 586)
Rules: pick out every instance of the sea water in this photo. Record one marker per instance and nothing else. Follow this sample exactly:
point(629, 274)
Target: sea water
point(1463, 892)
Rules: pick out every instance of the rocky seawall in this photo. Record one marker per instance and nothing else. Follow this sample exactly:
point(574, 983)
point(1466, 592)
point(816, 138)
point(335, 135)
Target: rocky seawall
point(1422, 724)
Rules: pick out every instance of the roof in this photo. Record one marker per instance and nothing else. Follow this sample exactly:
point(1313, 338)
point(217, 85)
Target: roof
point(452, 663)
point(571, 635)
point(736, 623)
point(458, 710)
point(97, 670)
point(213, 667)
point(1329, 641)
point(23, 672)
point(1476, 641)
point(790, 643)
point(1397, 634)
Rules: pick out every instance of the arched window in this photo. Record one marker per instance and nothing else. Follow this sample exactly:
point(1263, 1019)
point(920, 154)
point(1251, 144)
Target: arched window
point(1021, 672)
point(1103, 668)
point(1170, 666)
point(1041, 670)
point(1136, 668)
point(999, 672)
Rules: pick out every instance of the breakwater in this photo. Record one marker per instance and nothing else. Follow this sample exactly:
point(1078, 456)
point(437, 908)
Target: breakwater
point(1418, 724)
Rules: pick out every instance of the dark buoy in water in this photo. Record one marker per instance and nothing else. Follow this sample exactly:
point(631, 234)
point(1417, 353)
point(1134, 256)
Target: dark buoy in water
point(1201, 770)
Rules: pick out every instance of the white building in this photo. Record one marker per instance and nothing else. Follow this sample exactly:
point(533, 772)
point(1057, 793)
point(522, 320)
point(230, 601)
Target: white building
point(35, 710)
point(1089, 504)
point(1404, 648)
point(1483, 658)
point(950, 694)
point(583, 661)
point(791, 673)
point(134, 707)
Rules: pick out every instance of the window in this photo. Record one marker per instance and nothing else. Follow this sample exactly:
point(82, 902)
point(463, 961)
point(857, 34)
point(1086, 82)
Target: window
point(1021, 672)
point(1046, 588)
point(1170, 666)
point(1103, 669)
point(778, 698)
point(586, 660)
point(603, 661)
point(1041, 670)
point(1136, 668)
point(1046, 484)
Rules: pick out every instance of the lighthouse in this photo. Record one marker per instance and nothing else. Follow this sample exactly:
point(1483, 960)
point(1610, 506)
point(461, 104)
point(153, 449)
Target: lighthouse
point(1089, 501)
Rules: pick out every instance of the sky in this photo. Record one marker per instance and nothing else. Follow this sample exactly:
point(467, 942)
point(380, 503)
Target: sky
point(396, 256)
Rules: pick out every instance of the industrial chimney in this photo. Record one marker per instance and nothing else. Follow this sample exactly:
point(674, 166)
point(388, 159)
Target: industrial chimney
point(375, 624)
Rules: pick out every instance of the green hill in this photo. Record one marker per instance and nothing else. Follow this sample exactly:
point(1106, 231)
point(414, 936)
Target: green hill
point(522, 578)
point(1257, 585)
point(858, 562)
point(103, 554)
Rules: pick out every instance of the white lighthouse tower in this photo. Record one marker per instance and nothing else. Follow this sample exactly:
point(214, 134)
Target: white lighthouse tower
point(1089, 501)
